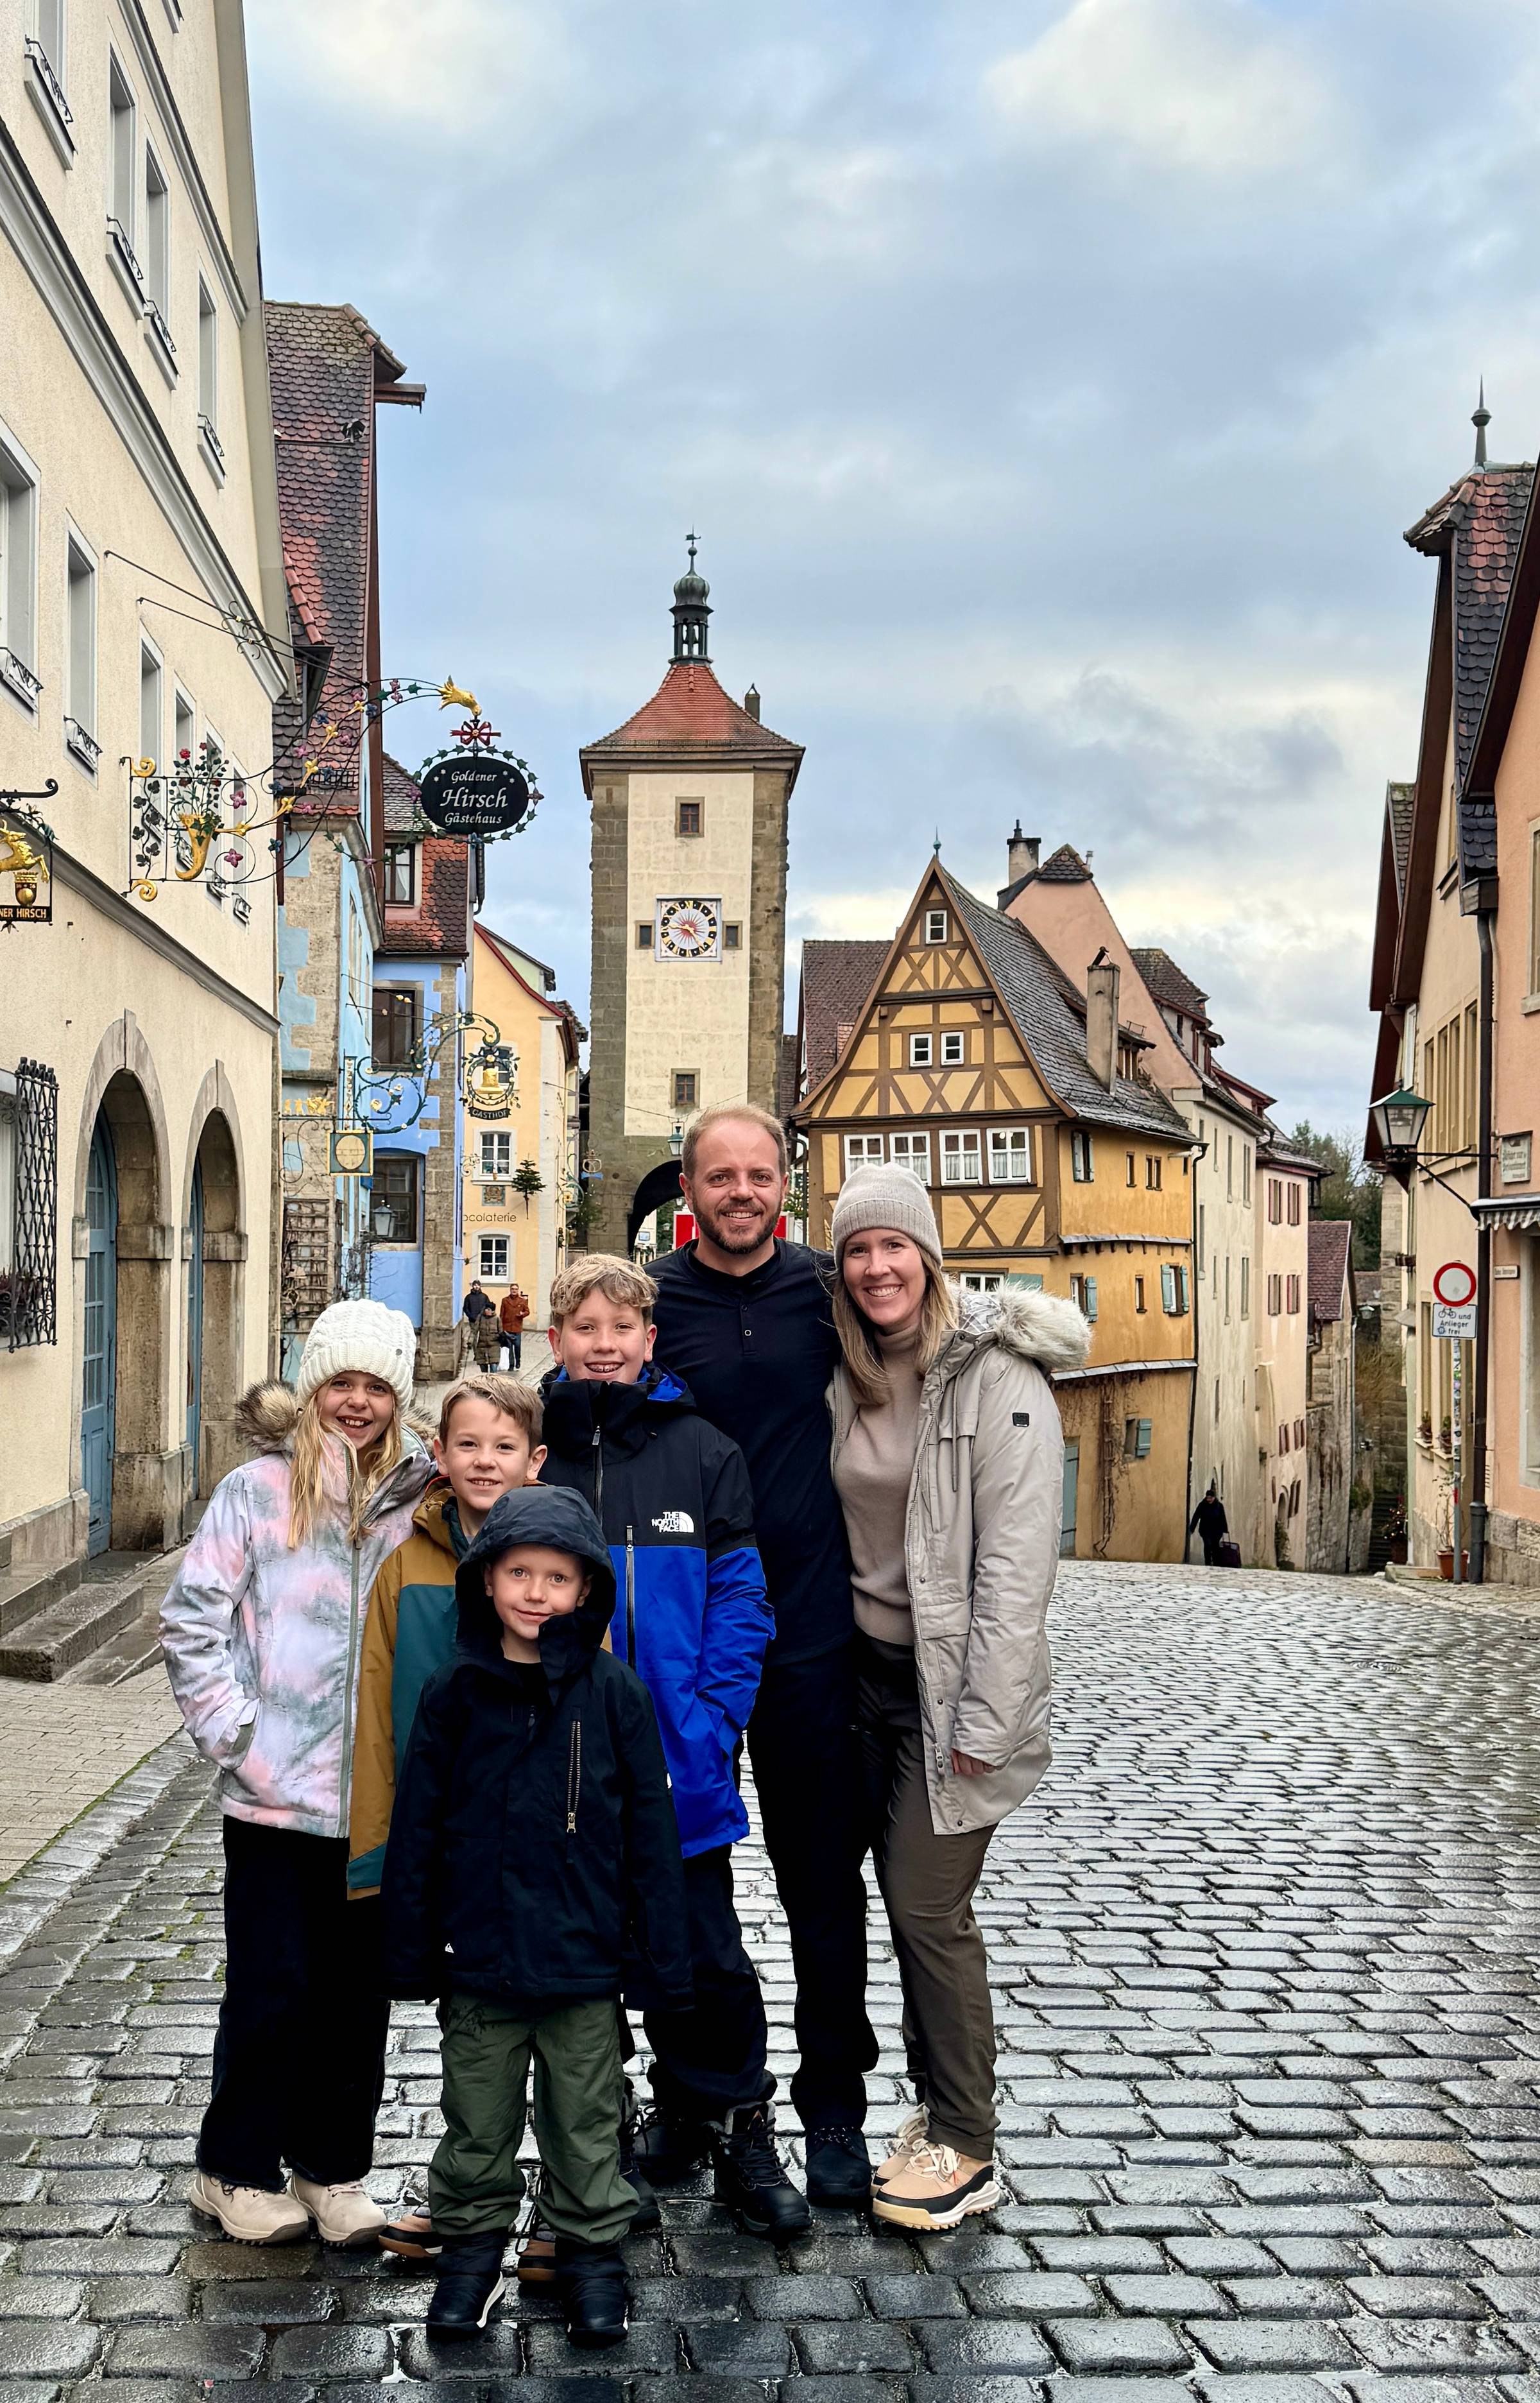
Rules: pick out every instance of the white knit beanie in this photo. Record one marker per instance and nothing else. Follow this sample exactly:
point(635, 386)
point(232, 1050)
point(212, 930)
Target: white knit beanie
point(363, 1336)
point(879, 1196)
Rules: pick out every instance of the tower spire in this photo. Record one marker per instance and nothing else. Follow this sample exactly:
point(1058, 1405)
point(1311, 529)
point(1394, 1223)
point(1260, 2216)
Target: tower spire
point(691, 610)
point(1481, 419)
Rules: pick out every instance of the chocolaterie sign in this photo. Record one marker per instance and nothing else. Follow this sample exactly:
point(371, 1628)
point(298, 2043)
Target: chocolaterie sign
point(475, 793)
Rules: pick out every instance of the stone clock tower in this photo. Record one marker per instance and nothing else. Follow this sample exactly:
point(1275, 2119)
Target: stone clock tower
point(689, 918)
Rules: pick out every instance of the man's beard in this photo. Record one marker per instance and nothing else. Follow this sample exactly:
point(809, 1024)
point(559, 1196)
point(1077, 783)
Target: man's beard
point(737, 1234)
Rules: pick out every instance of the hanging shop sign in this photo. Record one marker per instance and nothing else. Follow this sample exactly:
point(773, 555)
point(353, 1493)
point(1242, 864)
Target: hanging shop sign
point(490, 1086)
point(26, 860)
point(353, 1152)
point(474, 791)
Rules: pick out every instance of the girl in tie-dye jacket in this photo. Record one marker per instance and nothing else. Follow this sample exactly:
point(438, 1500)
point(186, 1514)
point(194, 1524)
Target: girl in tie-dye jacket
point(262, 1632)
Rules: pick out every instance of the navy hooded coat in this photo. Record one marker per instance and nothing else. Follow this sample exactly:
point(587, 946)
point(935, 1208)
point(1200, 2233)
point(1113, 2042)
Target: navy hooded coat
point(533, 1855)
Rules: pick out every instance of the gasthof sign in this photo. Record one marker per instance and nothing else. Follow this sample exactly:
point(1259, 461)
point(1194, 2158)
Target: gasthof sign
point(479, 794)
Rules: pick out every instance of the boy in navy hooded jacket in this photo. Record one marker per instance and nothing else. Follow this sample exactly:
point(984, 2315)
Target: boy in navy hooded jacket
point(672, 1497)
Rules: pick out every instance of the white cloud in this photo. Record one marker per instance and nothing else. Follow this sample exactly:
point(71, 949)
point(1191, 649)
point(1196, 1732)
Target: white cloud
point(1203, 86)
point(430, 64)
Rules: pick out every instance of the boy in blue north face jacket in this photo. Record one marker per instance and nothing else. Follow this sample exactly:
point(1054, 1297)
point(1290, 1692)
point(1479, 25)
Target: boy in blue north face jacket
point(672, 1497)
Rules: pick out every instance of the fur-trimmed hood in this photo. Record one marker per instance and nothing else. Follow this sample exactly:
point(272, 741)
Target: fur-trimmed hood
point(1038, 1326)
point(266, 1415)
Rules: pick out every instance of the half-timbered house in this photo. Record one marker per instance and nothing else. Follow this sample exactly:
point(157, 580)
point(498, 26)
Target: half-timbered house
point(1052, 1160)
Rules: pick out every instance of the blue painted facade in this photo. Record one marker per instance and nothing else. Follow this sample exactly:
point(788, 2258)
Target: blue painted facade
point(400, 1270)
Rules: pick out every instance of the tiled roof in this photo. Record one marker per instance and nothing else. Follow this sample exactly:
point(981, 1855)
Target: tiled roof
point(1330, 1244)
point(836, 980)
point(1167, 982)
point(1400, 801)
point(1367, 1289)
point(1064, 867)
point(321, 370)
point(1049, 1016)
point(1478, 521)
point(691, 716)
point(402, 814)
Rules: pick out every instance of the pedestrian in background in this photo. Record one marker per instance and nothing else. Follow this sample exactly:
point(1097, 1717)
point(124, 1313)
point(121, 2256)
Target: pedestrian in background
point(261, 1634)
point(1210, 1522)
point(477, 1304)
point(949, 1462)
point(513, 1310)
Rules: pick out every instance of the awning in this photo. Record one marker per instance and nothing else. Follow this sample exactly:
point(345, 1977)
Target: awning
point(1518, 1212)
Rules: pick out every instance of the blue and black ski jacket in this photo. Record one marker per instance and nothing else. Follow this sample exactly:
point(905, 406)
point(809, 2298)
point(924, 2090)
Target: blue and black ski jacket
point(672, 1497)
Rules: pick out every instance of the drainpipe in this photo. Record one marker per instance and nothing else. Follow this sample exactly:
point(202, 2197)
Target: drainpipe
point(1483, 1259)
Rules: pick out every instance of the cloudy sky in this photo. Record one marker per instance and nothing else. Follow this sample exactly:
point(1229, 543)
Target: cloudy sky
point(1050, 381)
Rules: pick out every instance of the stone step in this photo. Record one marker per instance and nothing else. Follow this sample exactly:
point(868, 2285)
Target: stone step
point(110, 1596)
point(27, 1590)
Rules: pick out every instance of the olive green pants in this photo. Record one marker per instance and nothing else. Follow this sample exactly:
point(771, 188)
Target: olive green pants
point(474, 2185)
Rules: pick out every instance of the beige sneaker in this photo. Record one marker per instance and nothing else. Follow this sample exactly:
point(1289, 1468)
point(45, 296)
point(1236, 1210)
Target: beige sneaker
point(938, 2188)
point(913, 2134)
point(250, 2213)
point(343, 2214)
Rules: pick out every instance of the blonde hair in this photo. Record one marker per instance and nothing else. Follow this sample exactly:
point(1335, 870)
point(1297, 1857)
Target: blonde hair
point(864, 1363)
point(728, 1114)
point(509, 1395)
point(627, 1287)
point(365, 1471)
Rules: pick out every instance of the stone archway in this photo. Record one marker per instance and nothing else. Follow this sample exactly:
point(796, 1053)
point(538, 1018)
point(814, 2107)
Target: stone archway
point(123, 1093)
point(213, 1290)
point(659, 1185)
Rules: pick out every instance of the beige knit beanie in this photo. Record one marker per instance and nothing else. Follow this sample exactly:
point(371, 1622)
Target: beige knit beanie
point(881, 1196)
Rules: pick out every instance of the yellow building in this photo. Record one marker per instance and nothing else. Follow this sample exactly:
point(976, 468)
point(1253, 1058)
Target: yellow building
point(1052, 1161)
point(516, 1230)
point(142, 615)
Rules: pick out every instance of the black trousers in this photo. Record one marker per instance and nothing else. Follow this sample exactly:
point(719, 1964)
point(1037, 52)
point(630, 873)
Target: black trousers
point(807, 1772)
point(300, 2055)
point(709, 2057)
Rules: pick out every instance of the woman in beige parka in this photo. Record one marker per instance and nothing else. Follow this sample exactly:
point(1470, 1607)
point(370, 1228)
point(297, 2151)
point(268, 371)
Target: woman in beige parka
point(949, 1462)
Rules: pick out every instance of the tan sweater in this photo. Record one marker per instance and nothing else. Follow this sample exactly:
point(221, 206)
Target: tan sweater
point(873, 1478)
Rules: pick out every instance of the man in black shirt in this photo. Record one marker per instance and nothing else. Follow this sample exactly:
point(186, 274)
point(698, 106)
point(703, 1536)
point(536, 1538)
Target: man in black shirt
point(747, 1320)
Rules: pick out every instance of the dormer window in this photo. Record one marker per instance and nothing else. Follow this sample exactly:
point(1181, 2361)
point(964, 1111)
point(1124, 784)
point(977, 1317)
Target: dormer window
point(936, 925)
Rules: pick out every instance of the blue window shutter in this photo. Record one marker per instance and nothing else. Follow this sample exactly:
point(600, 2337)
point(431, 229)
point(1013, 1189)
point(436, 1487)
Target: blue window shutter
point(1090, 1296)
point(1141, 1443)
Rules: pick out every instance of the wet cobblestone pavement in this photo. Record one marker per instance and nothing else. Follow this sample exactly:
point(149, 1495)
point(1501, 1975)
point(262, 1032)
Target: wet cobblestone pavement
point(1269, 2071)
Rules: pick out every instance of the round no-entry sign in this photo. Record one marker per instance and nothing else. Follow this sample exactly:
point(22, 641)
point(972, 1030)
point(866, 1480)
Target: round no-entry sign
point(1454, 1284)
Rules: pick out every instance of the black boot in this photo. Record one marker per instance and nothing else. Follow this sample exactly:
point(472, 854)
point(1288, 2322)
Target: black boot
point(647, 2214)
point(750, 2180)
point(839, 2165)
point(470, 2280)
point(666, 2149)
point(590, 2280)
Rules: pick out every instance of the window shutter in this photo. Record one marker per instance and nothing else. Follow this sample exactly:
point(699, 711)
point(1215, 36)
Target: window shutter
point(1181, 1276)
point(1090, 1296)
point(1141, 1443)
point(1167, 1290)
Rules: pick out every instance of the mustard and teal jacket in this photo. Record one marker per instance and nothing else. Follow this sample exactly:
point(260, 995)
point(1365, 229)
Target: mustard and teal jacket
point(409, 1634)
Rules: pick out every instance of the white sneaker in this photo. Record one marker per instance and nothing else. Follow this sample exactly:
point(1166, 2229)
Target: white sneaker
point(343, 2214)
point(251, 2214)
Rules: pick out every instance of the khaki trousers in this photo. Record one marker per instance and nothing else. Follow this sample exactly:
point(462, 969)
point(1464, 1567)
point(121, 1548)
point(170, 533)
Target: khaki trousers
point(474, 2185)
point(928, 1883)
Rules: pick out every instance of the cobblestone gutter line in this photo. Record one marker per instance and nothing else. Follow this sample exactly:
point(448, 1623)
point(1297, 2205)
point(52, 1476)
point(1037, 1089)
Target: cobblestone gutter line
point(52, 1875)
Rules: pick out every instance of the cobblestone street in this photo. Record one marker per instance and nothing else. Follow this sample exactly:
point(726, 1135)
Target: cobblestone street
point(1262, 1949)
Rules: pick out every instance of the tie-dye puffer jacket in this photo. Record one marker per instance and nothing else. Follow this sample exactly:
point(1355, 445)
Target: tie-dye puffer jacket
point(262, 1643)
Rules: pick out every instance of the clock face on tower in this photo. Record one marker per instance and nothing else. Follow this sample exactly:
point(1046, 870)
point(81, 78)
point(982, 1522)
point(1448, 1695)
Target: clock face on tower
point(689, 930)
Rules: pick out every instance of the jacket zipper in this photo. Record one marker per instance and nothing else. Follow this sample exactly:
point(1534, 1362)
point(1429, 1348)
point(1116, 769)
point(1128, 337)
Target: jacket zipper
point(599, 1474)
point(574, 1777)
point(345, 1781)
point(631, 1601)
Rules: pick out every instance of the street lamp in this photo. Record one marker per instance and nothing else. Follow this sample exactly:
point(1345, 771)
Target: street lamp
point(677, 1140)
point(1398, 1120)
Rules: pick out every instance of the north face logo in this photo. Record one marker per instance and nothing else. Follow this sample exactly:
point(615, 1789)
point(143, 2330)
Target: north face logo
point(674, 1523)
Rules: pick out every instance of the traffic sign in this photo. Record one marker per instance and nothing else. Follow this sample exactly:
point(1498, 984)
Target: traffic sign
point(1454, 1321)
point(1454, 1284)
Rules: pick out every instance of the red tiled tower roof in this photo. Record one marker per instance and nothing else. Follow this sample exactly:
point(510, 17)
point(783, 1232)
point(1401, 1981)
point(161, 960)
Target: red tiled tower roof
point(690, 716)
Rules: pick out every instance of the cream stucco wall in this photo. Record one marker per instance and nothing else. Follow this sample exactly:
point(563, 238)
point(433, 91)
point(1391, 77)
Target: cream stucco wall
point(538, 1123)
point(1226, 1436)
point(1281, 1374)
point(687, 1014)
point(173, 997)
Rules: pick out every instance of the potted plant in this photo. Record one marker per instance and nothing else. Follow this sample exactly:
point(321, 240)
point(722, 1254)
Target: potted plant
point(1424, 1428)
point(1396, 1536)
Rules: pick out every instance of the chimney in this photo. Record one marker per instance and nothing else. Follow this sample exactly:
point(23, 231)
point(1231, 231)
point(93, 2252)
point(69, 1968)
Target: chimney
point(1101, 1019)
point(751, 703)
point(1020, 859)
